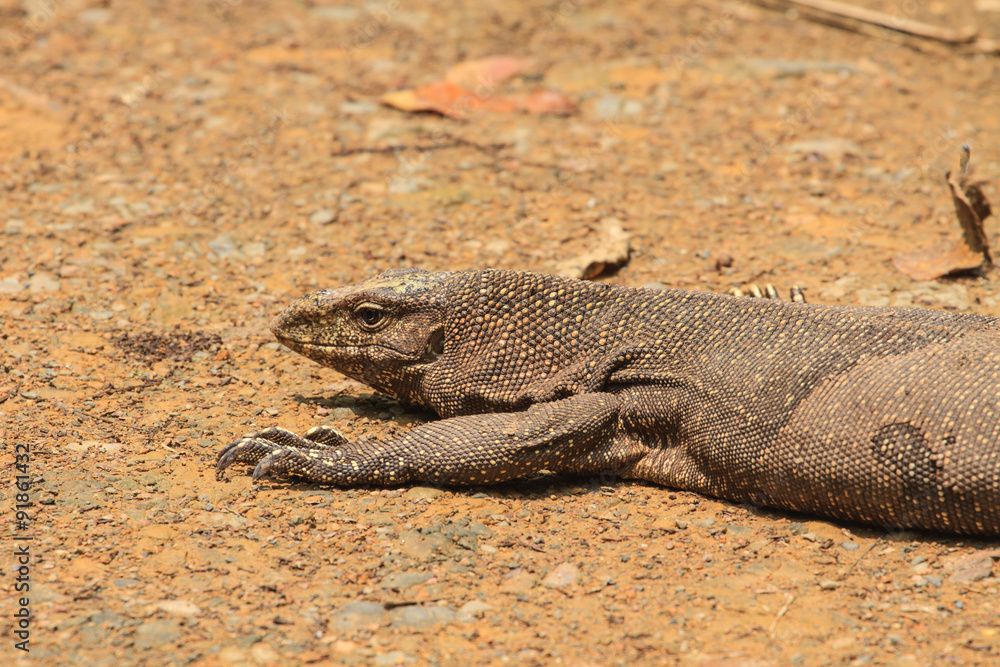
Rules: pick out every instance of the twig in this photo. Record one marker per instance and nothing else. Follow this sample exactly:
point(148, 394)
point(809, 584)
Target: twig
point(862, 557)
point(421, 148)
point(81, 413)
point(773, 631)
point(843, 15)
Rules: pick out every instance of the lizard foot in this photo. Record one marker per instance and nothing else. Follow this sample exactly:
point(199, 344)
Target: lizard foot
point(794, 294)
point(272, 444)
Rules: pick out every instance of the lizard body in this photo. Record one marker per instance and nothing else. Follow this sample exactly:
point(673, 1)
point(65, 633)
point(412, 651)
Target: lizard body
point(888, 416)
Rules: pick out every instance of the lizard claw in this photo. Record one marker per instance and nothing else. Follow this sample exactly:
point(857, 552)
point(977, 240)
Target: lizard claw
point(227, 455)
point(264, 467)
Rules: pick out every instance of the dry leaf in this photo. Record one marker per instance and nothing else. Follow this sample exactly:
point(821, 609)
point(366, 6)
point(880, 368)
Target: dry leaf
point(972, 209)
point(545, 102)
point(932, 263)
point(447, 99)
point(610, 252)
point(487, 72)
point(450, 99)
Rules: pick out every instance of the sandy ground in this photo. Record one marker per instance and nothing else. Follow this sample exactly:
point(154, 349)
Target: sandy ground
point(171, 176)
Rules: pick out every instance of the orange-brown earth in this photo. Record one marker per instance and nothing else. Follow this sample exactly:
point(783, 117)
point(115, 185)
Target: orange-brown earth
point(172, 174)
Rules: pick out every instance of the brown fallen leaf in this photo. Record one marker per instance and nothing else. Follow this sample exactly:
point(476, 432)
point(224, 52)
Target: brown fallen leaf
point(932, 263)
point(450, 99)
point(609, 253)
point(542, 102)
point(972, 209)
point(487, 72)
point(972, 252)
point(447, 99)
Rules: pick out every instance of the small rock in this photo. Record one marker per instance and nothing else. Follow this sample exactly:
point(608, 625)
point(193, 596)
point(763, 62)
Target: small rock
point(723, 260)
point(632, 108)
point(220, 520)
point(829, 585)
point(13, 226)
point(850, 546)
point(518, 581)
point(422, 493)
point(79, 208)
point(564, 574)
point(834, 148)
point(344, 647)
point(356, 615)
point(157, 634)
point(11, 285)
point(470, 611)
point(972, 570)
point(95, 15)
point(391, 658)
point(607, 107)
point(405, 580)
point(223, 246)
point(126, 583)
point(359, 108)
point(788, 68)
point(232, 655)
point(254, 249)
point(323, 216)
point(415, 616)
point(177, 608)
point(111, 447)
point(43, 282)
point(341, 14)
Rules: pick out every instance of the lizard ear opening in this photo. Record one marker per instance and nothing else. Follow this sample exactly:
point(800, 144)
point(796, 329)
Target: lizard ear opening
point(435, 343)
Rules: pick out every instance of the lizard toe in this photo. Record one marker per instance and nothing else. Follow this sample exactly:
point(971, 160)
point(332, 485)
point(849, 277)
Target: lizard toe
point(228, 454)
point(265, 464)
point(326, 435)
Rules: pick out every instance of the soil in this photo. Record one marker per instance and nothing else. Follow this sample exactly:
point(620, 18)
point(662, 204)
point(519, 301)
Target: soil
point(173, 174)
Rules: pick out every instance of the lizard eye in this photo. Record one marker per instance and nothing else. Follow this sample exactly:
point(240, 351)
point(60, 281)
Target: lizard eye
point(369, 317)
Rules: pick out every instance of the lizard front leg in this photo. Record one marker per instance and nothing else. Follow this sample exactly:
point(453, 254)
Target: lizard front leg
point(474, 449)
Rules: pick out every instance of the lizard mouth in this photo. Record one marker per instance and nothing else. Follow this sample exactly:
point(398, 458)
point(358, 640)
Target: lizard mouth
point(346, 352)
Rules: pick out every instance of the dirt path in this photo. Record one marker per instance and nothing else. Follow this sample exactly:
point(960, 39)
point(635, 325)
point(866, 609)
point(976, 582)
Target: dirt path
point(171, 176)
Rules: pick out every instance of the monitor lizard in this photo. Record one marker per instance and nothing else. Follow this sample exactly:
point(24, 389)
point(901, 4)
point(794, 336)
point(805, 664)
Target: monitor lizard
point(889, 416)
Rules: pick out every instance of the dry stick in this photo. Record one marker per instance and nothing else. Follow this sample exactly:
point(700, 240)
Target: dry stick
point(835, 12)
point(773, 631)
point(421, 148)
point(862, 557)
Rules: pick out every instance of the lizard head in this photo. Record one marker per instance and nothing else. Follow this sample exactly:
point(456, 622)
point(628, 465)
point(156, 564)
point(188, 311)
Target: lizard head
point(385, 331)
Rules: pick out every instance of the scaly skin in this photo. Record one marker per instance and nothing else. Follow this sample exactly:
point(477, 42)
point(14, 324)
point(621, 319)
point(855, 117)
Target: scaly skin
point(889, 416)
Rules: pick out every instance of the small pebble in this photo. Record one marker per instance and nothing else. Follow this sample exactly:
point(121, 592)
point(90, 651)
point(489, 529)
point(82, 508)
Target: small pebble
point(322, 217)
